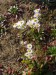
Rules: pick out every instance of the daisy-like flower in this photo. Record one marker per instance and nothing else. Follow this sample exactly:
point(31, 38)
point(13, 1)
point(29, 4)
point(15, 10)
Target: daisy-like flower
point(29, 46)
point(29, 50)
point(37, 10)
point(37, 13)
point(19, 24)
point(28, 55)
point(32, 23)
point(37, 25)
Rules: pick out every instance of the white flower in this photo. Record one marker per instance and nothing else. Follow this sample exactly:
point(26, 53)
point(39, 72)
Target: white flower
point(29, 46)
point(37, 15)
point(15, 7)
point(34, 20)
point(19, 25)
point(40, 38)
point(29, 51)
point(37, 25)
point(23, 42)
point(28, 55)
point(32, 23)
point(37, 10)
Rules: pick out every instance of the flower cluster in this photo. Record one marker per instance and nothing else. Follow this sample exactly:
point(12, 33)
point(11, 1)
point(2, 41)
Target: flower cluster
point(32, 23)
point(29, 52)
point(19, 25)
point(37, 13)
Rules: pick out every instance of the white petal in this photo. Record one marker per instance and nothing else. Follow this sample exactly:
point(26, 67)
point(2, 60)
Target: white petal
point(29, 46)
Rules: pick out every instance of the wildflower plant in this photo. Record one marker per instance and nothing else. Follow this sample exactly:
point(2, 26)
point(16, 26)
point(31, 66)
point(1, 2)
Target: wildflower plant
point(31, 37)
point(13, 9)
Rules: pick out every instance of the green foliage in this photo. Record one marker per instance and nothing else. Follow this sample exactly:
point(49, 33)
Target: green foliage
point(52, 50)
point(13, 9)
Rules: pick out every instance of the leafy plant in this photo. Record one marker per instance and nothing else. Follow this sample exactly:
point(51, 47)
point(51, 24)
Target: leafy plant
point(52, 50)
point(13, 9)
